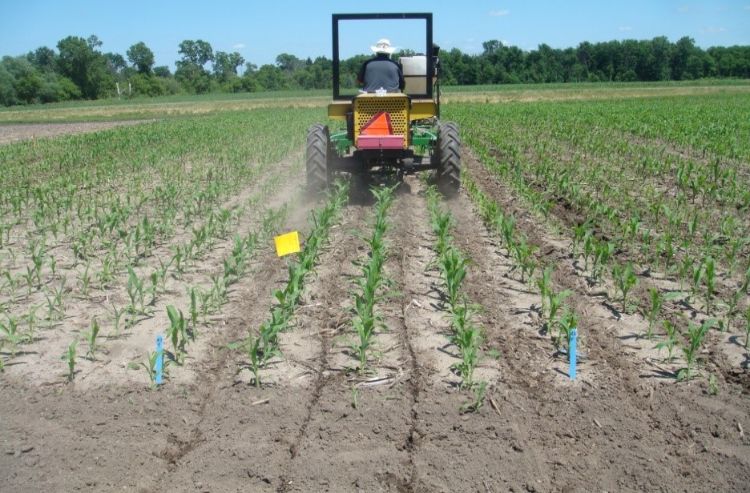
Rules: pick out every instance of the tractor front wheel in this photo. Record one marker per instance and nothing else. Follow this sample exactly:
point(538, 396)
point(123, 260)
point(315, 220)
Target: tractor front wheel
point(317, 159)
point(448, 156)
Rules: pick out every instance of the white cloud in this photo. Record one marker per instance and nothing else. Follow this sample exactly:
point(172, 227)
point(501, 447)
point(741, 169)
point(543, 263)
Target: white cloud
point(623, 29)
point(238, 46)
point(713, 30)
point(499, 13)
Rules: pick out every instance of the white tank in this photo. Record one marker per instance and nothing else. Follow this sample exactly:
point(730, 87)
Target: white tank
point(415, 73)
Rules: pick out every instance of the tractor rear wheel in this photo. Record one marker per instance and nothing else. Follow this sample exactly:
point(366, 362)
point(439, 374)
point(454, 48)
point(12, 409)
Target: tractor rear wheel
point(448, 155)
point(317, 159)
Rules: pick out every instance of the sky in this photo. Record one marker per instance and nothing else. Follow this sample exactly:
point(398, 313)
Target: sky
point(260, 30)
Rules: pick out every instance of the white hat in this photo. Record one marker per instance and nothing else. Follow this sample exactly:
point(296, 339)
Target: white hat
point(383, 46)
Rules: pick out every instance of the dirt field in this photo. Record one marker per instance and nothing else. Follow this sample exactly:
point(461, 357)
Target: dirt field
point(624, 425)
point(26, 131)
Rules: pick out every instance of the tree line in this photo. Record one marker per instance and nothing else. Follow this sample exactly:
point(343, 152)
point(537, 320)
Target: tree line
point(78, 69)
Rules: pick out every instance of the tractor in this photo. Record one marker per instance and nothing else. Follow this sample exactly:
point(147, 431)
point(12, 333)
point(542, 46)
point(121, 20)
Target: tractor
point(391, 133)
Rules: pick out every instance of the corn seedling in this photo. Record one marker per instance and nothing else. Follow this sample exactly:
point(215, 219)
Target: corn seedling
point(568, 322)
point(91, 336)
point(555, 302)
point(176, 332)
point(150, 366)
point(625, 279)
point(747, 327)
point(70, 358)
point(468, 340)
point(544, 283)
point(479, 390)
point(135, 293)
point(709, 271)
point(354, 395)
point(453, 265)
point(657, 301)
point(193, 311)
point(10, 332)
point(524, 254)
point(670, 340)
point(713, 385)
point(117, 317)
point(256, 355)
point(365, 321)
point(695, 336)
point(85, 281)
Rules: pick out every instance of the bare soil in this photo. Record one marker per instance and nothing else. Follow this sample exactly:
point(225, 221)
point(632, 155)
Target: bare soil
point(314, 425)
point(27, 131)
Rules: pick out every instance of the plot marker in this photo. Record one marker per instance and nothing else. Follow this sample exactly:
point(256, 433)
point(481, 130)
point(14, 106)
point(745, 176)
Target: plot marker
point(159, 366)
point(572, 353)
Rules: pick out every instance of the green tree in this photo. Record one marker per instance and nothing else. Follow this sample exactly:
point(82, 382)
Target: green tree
point(162, 71)
point(79, 61)
point(141, 57)
point(197, 52)
point(7, 89)
point(115, 62)
point(226, 64)
point(190, 69)
point(43, 58)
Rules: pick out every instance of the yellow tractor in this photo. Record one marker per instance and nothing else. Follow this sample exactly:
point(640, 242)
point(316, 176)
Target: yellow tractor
point(387, 132)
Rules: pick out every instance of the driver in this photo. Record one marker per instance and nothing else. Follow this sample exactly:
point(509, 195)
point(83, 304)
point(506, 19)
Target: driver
point(380, 72)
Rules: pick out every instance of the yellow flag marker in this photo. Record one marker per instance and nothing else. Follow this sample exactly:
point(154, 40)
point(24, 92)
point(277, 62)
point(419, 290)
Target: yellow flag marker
point(287, 243)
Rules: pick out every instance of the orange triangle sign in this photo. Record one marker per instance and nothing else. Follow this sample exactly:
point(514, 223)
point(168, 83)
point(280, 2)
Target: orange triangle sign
point(380, 124)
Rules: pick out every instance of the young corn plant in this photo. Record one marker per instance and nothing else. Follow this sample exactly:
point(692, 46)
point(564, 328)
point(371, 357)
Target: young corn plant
point(670, 340)
point(625, 279)
point(709, 275)
point(695, 337)
point(453, 266)
point(365, 321)
point(555, 303)
point(747, 327)
point(70, 358)
point(524, 254)
point(150, 366)
point(544, 283)
point(136, 293)
point(657, 301)
point(177, 333)
point(117, 319)
point(468, 338)
point(91, 336)
point(568, 321)
point(254, 350)
point(10, 332)
point(473, 406)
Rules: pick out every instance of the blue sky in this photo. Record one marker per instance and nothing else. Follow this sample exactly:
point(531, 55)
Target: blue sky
point(260, 30)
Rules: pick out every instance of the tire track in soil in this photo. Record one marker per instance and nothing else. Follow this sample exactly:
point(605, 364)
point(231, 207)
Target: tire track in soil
point(410, 225)
point(676, 433)
point(341, 446)
point(324, 319)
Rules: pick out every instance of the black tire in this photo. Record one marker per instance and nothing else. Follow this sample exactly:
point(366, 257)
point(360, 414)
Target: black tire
point(317, 159)
point(448, 157)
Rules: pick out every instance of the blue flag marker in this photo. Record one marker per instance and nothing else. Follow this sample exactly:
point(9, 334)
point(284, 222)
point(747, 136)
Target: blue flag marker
point(572, 353)
point(159, 366)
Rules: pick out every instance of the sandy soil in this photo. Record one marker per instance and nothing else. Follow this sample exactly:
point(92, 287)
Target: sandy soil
point(314, 426)
point(26, 131)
